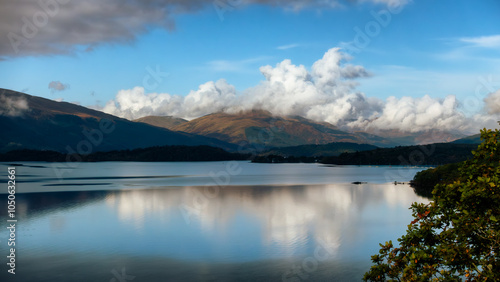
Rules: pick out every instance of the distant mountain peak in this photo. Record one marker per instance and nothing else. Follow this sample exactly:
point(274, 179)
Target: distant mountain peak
point(261, 127)
point(168, 122)
point(264, 128)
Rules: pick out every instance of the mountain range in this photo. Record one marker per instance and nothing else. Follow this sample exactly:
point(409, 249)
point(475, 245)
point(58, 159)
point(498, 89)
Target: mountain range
point(37, 123)
point(31, 122)
point(261, 128)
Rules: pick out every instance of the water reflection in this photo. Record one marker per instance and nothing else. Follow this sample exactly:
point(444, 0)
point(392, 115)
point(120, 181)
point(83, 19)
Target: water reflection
point(58, 177)
point(266, 229)
point(36, 204)
point(290, 218)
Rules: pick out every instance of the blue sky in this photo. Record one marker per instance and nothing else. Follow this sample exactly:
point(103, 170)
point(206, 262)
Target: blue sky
point(436, 48)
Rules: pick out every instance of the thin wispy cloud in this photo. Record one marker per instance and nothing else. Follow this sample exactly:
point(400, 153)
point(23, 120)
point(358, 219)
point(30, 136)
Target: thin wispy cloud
point(418, 82)
point(225, 65)
point(492, 41)
point(389, 2)
point(482, 50)
point(12, 106)
point(289, 46)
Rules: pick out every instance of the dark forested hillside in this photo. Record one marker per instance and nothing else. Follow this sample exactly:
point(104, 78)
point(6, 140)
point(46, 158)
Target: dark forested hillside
point(152, 154)
point(331, 149)
point(433, 154)
point(424, 181)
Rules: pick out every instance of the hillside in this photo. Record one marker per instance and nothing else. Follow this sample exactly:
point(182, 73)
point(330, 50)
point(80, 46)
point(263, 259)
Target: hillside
point(473, 139)
point(331, 149)
point(168, 122)
point(42, 124)
point(262, 128)
point(400, 138)
point(175, 153)
point(433, 154)
point(266, 130)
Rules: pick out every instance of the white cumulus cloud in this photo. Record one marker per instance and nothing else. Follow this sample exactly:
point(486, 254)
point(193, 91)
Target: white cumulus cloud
point(418, 114)
point(492, 102)
point(135, 103)
point(325, 92)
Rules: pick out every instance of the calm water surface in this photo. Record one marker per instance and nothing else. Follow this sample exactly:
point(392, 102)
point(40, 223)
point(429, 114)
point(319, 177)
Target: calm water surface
point(208, 221)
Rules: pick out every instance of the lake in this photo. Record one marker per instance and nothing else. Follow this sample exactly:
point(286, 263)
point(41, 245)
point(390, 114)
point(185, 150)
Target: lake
point(202, 221)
